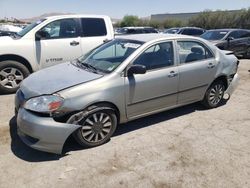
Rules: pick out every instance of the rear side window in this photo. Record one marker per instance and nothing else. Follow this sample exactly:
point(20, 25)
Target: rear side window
point(198, 32)
point(92, 27)
point(192, 32)
point(191, 51)
point(244, 34)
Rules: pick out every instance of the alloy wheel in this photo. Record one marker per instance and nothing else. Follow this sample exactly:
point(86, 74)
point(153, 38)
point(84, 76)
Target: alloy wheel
point(11, 77)
point(216, 94)
point(96, 127)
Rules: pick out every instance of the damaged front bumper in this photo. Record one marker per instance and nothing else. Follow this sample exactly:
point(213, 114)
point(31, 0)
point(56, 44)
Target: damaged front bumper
point(43, 133)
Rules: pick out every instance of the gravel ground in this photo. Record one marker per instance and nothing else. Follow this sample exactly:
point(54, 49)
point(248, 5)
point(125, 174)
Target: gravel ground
point(184, 147)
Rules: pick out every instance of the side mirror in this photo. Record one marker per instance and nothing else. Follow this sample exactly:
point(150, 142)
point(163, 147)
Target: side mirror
point(41, 35)
point(136, 69)
point(229, 39)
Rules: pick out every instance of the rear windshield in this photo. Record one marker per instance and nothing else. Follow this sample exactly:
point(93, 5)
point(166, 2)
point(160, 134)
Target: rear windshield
point(214, 35)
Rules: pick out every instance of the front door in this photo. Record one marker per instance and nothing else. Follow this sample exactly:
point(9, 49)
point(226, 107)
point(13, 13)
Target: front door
point(60, 43)
point(157, 88)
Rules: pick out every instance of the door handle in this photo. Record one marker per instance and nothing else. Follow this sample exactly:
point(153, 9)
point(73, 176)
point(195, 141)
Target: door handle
point(210, 65)
point(172, 74)
point(74, 43)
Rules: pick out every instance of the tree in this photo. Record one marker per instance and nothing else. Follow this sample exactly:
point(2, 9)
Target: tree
point(222, 19)
point(130, 20)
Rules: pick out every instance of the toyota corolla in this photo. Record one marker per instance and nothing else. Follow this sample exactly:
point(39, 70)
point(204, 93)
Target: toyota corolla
point(124, 79)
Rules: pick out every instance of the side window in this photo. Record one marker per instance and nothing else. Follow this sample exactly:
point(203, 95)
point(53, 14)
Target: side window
point(190, 32)
point(66, 28)
point(234, 35)
point(157, 56)
point(185, 32)
point(191, 51)
point(244, 34)
point(197, 31)
point(92, 27)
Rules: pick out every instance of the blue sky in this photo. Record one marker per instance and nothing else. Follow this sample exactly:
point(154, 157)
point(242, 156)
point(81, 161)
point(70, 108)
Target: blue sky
point(113, 8)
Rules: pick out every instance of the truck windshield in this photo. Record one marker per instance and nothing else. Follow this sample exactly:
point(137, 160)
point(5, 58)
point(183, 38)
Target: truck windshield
point(110, 55)
point(29, 27)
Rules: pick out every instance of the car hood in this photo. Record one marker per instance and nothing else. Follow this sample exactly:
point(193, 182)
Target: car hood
point(55, 78)
point(5, 39)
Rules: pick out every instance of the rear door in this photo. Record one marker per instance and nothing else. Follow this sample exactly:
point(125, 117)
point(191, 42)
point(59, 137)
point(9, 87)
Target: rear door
point(94, 32)
point(197, 69)
point(61, 42)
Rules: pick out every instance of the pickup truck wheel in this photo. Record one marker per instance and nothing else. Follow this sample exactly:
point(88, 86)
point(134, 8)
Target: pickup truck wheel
point(214, 95)
point(12, 74)
point(96, 128)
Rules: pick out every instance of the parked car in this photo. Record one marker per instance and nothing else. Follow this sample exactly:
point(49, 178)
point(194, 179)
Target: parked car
point(236, 40)
point(135, 30)
point(7, 30)
point(47, 42)
point(6, 33)
point(193, 31)
point(127, 78)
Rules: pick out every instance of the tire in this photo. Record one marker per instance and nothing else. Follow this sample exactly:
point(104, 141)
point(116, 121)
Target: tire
point(214, 95)
point(96, 127)
point(12, 73)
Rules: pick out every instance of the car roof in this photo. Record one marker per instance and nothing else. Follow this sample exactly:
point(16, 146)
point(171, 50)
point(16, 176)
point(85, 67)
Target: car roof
point(142, 27)
point(191, 28)
point(186, 28)
point(75, 16)
point(153, 36)
point(228, 29)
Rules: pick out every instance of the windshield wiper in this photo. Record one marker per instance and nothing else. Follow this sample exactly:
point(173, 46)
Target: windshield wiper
point(89, 66)
point(86, 66)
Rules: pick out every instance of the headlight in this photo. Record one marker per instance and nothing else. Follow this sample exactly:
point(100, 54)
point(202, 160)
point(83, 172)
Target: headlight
point(44, 104)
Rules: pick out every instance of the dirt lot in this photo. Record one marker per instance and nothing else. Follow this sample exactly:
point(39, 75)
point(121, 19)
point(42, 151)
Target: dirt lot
point(185, 147)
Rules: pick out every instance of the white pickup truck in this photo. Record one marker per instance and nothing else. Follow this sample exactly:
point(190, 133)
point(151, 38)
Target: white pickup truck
point(47, 42)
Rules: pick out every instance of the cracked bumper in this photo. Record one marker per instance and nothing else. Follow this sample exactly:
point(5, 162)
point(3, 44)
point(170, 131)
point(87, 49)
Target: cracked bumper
point(233, 85)
point(43, 133)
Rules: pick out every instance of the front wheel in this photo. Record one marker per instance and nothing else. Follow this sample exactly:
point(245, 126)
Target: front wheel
point(12, 74)
point(214, 95)
point(96, 128)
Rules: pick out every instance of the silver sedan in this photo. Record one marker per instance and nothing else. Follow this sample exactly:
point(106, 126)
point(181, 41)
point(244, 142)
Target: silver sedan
point(124, 79)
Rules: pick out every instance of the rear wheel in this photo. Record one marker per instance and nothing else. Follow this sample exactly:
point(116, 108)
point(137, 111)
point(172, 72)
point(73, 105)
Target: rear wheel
point(12, 74)
point(214, 95)
point(96, 128)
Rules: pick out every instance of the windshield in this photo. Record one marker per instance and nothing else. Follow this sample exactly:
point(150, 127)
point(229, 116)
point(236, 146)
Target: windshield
point(214, 35)
point(29, 27)
point(110, 55)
